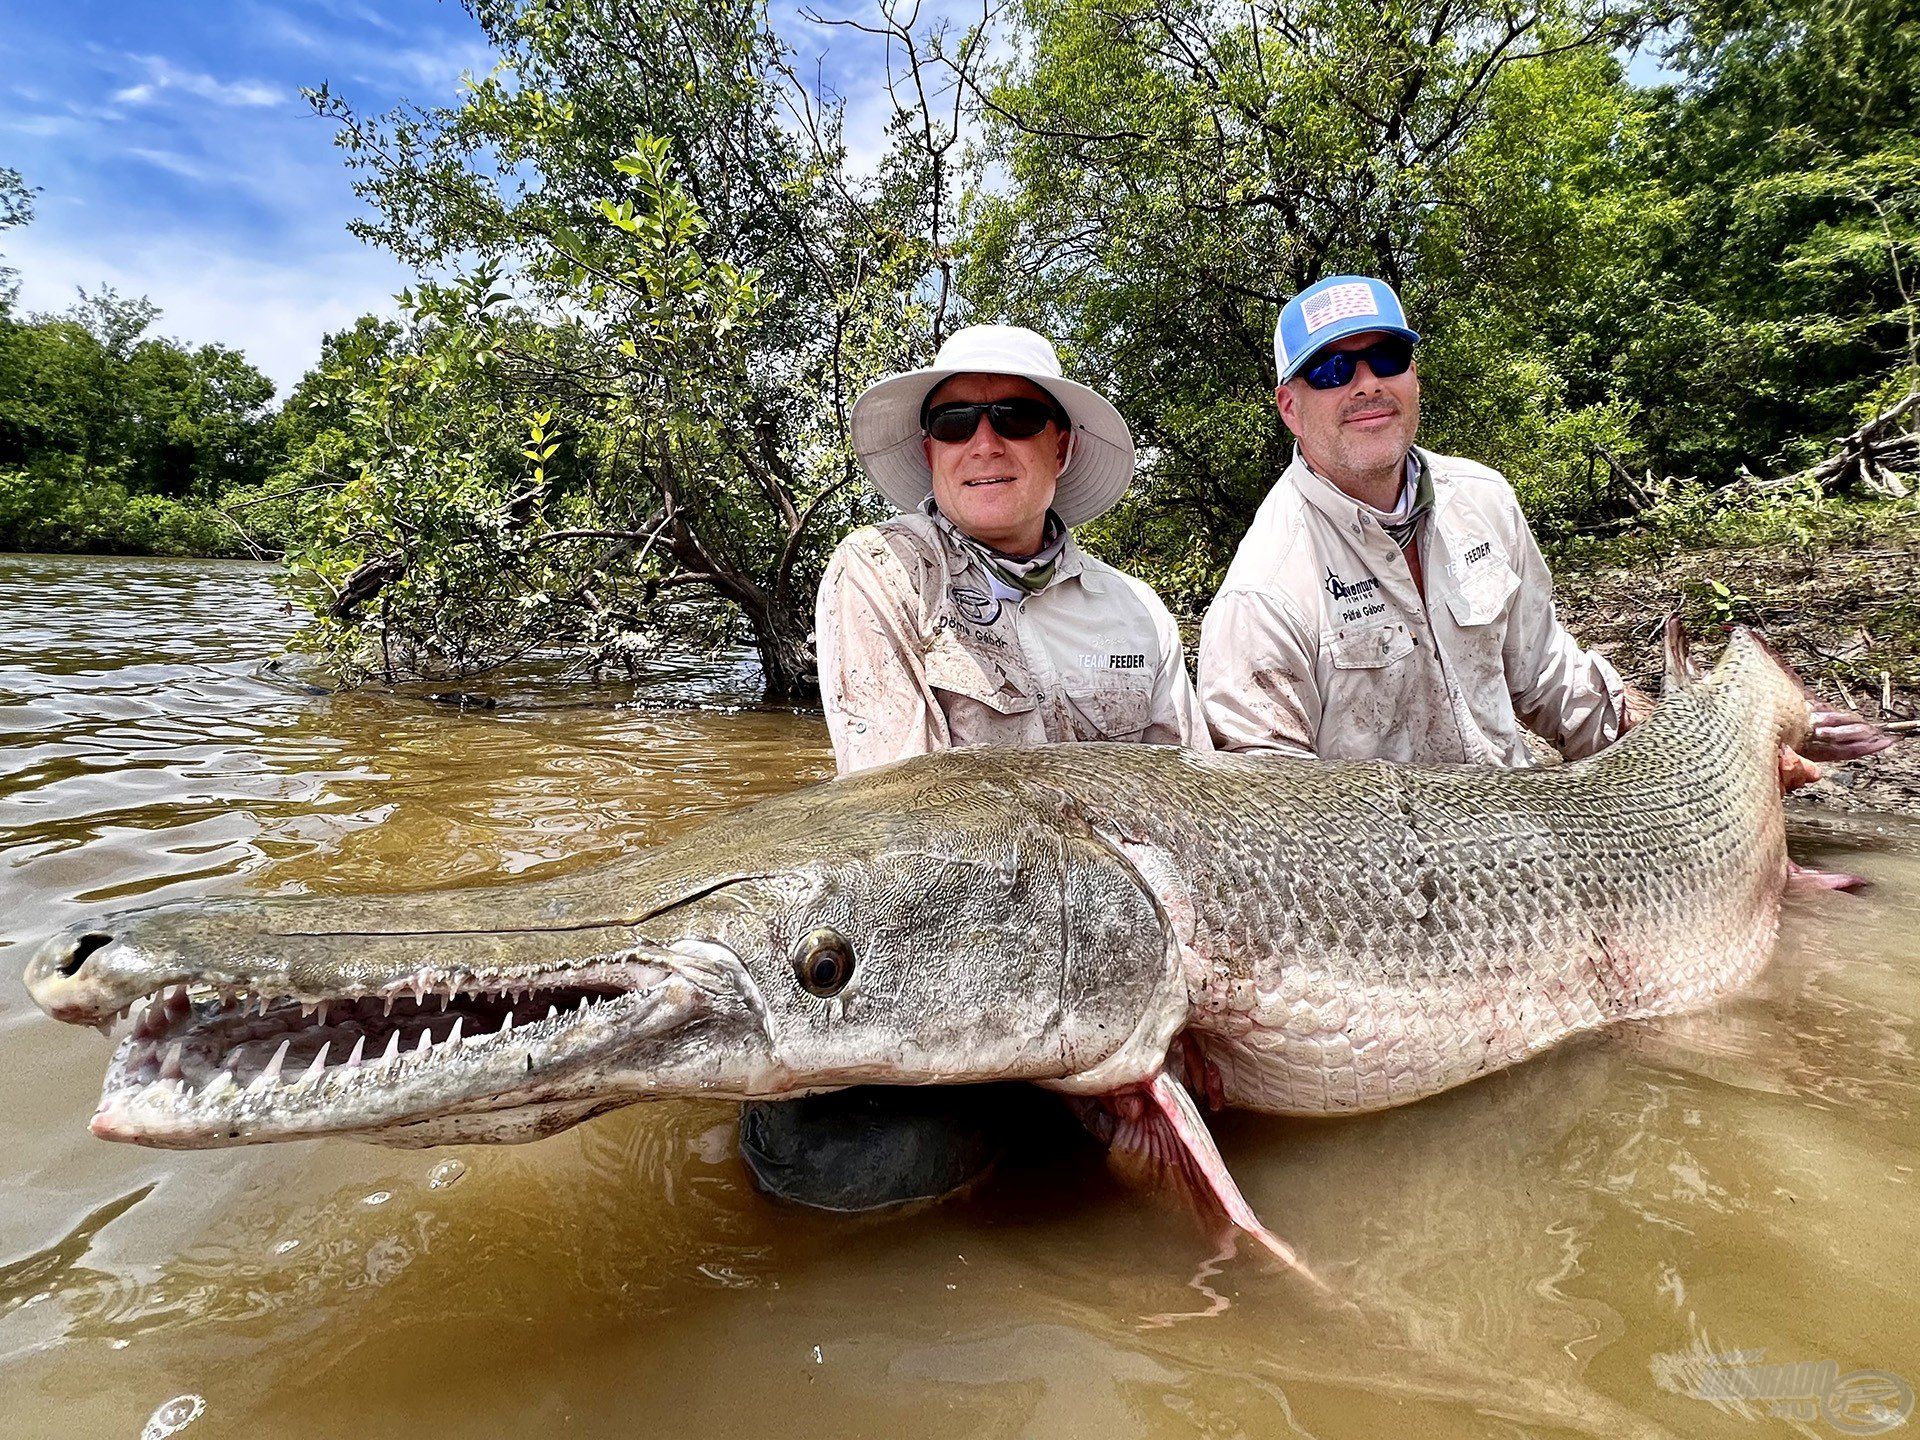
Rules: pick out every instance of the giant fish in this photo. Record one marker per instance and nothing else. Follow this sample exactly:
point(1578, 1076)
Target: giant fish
point(1145, 928)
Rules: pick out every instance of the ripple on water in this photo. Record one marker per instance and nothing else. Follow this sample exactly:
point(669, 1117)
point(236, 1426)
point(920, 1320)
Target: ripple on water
point(1518, 1255)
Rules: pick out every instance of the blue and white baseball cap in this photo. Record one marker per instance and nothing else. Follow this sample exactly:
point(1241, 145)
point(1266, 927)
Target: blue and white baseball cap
point(1332, 309)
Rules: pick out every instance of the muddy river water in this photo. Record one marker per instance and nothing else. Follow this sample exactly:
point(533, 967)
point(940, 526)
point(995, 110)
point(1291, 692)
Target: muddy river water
point(1700, 1227)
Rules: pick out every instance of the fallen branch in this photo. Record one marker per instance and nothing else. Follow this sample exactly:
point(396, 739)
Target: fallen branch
point(1874, 458)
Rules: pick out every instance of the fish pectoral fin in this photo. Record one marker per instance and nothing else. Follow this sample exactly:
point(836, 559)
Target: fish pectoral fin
point(1800, 877)
point(1158, 1127)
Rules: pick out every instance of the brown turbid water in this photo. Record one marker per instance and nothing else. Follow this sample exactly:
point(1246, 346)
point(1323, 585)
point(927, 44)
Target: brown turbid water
point(1618, 1239)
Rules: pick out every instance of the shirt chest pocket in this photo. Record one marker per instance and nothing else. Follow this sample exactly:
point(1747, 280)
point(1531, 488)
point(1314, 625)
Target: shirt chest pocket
point(1372, 648)
point(974, 676)
point(1483, 592)
point(1110, 704)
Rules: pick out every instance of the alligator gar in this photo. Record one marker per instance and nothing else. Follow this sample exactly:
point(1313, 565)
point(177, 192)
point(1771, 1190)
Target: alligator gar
point(1298, 937)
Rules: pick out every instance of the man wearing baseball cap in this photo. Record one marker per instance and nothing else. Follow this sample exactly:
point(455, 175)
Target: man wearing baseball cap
point(970, 618)
point(1388, 602)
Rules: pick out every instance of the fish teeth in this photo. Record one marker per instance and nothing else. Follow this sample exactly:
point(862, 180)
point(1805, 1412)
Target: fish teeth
point(553, 1012)
point(319, 1065)
point(506, 1025)
point(426, 1043)
point(170, 1066)
point(393, 1049)
point(453, 1035)
point(271, 1075)
point(320, 1014)
point(359, 1049)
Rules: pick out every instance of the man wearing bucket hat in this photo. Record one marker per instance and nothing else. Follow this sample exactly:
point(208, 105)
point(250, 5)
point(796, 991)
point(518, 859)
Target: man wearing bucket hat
point(971, 618)
point(1389, 602)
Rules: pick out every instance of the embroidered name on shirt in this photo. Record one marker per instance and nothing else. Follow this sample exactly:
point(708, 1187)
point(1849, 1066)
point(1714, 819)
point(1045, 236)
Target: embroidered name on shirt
point(975, 634)
point(1472, 557)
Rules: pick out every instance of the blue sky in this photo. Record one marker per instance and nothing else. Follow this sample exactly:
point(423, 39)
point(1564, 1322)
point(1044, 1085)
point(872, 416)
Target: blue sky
point(175, 158)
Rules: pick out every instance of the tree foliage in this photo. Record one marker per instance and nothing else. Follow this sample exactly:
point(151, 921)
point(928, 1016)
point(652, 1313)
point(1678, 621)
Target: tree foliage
point(1757, 289)
point(16, 208)
point(697, 295)
point(1180, 167)
point(658, 283)
point(107, 431)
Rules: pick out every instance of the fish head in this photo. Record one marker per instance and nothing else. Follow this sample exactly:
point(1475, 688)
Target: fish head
point(935, 922)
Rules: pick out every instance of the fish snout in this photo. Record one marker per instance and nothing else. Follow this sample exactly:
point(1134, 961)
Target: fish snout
point(88, 975)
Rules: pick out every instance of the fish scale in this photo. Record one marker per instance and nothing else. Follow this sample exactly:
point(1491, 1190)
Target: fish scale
point(1456, 919)
point(1317, 938)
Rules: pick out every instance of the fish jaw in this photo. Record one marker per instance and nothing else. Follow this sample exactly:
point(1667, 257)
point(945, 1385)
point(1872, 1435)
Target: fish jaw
point(425, 1057)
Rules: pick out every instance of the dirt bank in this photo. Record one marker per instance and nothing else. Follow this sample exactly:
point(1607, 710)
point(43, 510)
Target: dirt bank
point(1843, 607)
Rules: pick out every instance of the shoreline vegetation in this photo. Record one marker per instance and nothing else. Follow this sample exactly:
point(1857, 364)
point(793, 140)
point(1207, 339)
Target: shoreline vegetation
point(1681, 317)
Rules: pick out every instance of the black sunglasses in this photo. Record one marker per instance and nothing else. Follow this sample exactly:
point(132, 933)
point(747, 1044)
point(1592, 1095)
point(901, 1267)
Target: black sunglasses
point(1017, 419)
point(1388, 356)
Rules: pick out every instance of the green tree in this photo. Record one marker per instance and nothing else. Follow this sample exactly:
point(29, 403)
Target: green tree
point(114, 439)
point(710, 301)
point(1761, 294)
point(16, 208)
point(1179, 167)
point(159, 417)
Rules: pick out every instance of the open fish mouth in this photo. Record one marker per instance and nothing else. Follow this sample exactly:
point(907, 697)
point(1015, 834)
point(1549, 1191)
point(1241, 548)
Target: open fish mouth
point(228, 1064)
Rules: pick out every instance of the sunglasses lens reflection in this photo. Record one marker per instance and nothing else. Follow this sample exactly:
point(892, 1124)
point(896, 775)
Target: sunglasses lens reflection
point(1011, 419)
point(1389, 356)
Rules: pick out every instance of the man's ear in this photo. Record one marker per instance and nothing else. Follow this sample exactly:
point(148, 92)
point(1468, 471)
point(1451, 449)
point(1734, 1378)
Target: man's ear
point(926, 449)
point(1289, 407)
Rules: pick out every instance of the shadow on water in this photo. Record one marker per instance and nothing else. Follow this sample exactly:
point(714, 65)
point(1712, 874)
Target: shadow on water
point(1538, 1253)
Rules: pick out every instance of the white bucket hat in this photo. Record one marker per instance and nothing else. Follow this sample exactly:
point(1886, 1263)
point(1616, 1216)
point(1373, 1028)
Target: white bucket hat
point(887, 435)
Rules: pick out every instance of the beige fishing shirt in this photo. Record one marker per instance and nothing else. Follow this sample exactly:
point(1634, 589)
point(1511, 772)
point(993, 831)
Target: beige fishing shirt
point(1319, 643)
point(917, 654)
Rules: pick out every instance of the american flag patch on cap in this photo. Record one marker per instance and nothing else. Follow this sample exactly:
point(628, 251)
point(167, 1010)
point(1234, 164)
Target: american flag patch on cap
point(1337, 302)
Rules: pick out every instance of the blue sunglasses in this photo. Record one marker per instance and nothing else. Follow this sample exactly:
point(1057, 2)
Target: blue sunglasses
point(1388, 356)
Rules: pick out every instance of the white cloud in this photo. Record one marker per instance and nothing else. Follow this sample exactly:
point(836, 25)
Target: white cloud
point(164, 75)
point(43, 126)
point(275, 310)
point(435, 69)
point(174, 164)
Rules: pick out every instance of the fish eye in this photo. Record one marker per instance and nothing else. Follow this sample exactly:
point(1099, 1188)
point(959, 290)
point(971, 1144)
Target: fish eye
point(823, 963)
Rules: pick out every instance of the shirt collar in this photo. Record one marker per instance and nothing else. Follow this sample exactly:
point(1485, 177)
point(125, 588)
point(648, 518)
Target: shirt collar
point(1069, 563)
point(1341, 508)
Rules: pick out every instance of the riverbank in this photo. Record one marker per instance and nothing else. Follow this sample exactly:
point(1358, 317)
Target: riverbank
point(1835, 593)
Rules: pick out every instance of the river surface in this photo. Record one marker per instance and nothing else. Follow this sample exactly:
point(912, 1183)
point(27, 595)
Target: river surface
point(1577, 1247)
